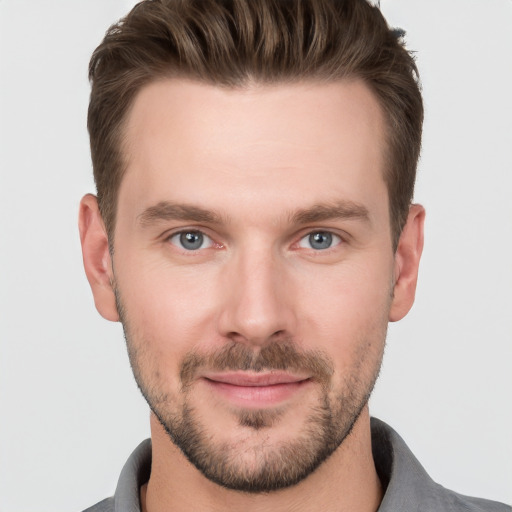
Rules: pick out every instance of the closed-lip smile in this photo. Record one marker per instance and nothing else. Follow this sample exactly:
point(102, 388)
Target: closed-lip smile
point(250, 389)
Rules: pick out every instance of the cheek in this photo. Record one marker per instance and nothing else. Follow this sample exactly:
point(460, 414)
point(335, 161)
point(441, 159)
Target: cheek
point(346, 307)
point(350, 325)
point(167, 312)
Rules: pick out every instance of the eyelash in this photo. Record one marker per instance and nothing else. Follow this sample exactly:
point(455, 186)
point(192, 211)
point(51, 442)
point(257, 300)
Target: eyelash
point(336, 240)
point(199, 232)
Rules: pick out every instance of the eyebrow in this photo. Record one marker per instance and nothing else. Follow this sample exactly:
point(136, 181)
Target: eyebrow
point(331, 211)
point(165, 211)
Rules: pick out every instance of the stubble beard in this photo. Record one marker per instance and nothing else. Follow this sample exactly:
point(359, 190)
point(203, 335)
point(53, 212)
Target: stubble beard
point(272, 466)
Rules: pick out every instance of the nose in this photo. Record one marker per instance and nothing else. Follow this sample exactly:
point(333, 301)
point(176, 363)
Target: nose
point(257, 305)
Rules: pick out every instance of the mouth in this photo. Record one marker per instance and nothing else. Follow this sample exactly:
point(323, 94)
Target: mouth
point(256, 390)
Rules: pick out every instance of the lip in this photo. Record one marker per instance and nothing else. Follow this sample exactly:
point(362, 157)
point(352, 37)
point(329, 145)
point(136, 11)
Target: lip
point(247, 379)
point(256, 390)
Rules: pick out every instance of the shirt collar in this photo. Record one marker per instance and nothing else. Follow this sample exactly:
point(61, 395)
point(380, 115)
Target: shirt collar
point(134, 475)
point(405, 481)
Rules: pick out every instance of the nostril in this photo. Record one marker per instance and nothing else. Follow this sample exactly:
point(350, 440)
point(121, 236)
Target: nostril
point(277, 336)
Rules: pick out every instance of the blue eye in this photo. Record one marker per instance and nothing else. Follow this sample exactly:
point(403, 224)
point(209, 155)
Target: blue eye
point(319, 240)
point(191, 240)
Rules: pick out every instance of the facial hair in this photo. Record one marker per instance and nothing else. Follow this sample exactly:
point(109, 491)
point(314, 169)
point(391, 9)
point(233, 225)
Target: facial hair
point(273, 466)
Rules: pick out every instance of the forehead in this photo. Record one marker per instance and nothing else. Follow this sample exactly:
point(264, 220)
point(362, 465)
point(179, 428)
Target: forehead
point(185, 137)
point(290, 111)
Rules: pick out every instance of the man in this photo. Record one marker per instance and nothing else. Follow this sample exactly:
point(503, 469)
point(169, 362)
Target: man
point(254, 233)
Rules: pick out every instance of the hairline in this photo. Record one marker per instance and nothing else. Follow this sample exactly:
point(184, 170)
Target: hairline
point(121, 137)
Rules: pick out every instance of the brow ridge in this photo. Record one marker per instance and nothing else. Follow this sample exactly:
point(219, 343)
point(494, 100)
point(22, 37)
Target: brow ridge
point(166, 211)
point(328, 211)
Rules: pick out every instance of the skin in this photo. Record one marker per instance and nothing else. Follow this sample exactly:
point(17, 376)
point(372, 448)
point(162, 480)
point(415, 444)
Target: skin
point(257, 280)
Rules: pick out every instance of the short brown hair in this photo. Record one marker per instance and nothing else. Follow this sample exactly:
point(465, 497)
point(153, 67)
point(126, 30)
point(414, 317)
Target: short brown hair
point(232, 42)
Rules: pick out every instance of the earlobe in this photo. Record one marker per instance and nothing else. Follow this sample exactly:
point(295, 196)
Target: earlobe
point(96, 257)
point(407, 260)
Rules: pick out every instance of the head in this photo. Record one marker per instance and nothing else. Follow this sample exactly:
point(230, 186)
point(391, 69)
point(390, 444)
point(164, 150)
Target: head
point(253, 232)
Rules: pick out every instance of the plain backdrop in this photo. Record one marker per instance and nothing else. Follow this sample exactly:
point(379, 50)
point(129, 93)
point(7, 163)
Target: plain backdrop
point(70, 413)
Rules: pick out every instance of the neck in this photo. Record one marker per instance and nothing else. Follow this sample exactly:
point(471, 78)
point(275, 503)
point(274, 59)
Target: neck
point(346, 481)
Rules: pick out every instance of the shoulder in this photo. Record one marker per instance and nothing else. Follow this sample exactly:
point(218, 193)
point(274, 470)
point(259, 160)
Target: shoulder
point(409, 487)
point(107, 505)
point(445, 499)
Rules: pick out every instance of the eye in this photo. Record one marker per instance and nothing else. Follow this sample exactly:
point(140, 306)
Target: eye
point(319, 240)
point(191, 240)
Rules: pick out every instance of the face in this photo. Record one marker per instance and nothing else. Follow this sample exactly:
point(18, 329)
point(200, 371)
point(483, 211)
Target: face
point(253, 270)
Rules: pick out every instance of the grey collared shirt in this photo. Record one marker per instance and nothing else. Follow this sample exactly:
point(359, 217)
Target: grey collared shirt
point(408, 487)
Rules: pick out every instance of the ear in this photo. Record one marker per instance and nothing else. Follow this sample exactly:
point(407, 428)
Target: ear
point(96, 256)
point(407, 260)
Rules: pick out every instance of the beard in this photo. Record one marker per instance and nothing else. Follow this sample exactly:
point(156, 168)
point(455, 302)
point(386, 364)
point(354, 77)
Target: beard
point(253, 462)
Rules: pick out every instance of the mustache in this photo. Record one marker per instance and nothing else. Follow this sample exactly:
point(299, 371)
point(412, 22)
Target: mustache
point(280, 355)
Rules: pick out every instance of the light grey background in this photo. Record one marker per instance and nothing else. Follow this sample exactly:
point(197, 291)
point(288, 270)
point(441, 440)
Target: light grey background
point(70, 412)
